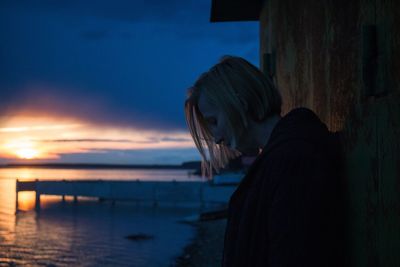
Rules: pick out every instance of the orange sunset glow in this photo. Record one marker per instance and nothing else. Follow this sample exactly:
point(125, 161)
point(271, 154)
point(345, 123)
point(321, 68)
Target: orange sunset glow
point(27, 153)
point(23, 149)
point(26, 200)
point(43, 138)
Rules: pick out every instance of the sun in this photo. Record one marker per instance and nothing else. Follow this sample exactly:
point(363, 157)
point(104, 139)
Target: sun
point(22, 148)
point(26, 153)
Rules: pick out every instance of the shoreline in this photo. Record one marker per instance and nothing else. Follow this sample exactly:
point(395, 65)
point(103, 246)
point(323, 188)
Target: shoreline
point(205, 249)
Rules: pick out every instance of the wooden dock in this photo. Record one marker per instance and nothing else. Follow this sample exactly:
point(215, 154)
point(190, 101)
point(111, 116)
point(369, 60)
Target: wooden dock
point(198, 194)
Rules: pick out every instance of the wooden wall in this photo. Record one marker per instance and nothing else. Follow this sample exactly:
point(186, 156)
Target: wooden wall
point(342, 60)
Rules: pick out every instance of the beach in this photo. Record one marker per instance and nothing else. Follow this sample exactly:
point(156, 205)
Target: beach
point(205, 249)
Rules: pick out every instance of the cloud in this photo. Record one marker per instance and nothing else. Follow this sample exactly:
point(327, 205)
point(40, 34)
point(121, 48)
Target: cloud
point(188, 19)
point(172, 139)
point(98, 141)
point(140, 156)
point(149, 140)
point(125, 63)
point(120, 10)
point(87, 140)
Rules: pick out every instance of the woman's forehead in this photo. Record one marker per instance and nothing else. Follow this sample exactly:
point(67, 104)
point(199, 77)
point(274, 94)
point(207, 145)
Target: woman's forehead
point(205, 106)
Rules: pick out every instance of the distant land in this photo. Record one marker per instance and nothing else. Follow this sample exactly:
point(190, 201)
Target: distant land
point(184, 165)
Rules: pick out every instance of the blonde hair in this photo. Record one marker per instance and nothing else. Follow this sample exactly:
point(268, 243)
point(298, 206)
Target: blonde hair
point(237, 87)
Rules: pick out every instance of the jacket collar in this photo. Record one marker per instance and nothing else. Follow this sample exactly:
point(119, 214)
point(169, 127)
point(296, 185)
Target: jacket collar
point(299, 123)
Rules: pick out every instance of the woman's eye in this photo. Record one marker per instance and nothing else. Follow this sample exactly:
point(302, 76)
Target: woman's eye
point(212, 121)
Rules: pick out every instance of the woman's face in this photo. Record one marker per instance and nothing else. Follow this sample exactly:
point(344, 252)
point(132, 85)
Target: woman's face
point(218, 125)
point(217, 122)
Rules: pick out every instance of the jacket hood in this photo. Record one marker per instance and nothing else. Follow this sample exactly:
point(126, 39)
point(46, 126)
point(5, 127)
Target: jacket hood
point(298, 124)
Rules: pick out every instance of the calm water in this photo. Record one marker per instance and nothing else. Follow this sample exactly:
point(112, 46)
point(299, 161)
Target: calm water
point(107, 174)
point(88, 233)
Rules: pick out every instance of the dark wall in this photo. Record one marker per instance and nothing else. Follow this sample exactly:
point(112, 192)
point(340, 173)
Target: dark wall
point(342, 60)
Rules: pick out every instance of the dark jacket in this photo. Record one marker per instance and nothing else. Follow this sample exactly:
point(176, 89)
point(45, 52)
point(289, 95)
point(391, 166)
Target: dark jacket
point(286, 210)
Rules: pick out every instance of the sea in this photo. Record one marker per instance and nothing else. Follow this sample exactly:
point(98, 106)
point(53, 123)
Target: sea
point(89, 232)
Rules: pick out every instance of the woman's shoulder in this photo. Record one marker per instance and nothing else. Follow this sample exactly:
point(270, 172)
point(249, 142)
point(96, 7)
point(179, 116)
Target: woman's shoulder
point(299, 128)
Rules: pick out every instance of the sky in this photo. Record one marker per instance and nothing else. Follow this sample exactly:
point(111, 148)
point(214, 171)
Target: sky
point(105, 81)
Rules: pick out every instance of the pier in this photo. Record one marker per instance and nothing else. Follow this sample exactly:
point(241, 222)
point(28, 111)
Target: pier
point(194, 194)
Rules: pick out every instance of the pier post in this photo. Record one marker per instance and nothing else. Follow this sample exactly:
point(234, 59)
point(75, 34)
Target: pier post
point(37, 201)
point(16, 196)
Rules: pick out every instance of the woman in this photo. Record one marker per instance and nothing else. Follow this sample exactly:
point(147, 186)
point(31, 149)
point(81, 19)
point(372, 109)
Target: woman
point(285, 211)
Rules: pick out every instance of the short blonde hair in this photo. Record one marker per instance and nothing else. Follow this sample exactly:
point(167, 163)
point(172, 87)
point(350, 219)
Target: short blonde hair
point(237, 87)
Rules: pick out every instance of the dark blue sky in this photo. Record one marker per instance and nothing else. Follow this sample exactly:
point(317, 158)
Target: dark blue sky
point(114, 63)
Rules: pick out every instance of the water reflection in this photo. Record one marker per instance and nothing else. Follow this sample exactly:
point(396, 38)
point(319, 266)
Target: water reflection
point(93, 234)
point(26, 201)
point(90, 233)
point(95, 174)
point(24, 174)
